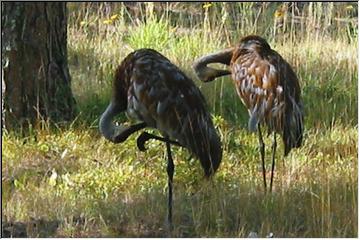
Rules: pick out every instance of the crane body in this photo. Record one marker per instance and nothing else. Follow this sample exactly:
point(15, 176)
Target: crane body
point(267, 86)
point(157, 94)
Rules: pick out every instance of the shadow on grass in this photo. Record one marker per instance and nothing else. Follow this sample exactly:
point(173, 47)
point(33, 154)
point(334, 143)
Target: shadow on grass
point(34, 228)
point(218, 211)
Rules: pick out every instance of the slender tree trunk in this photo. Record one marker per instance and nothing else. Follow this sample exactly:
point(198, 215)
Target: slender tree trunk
point(34, 65)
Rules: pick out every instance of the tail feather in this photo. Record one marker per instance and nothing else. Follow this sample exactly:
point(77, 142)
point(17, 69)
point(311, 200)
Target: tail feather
point(293, 126)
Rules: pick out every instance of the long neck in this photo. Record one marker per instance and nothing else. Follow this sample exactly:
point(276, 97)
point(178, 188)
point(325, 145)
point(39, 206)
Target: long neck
point(106, 125)
point(206, 73)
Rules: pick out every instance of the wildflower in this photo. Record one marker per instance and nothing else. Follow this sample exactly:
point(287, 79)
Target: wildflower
point(114, 17)
point(207, 5)
point(82, 23)
point(107, 21)
point(279, 13)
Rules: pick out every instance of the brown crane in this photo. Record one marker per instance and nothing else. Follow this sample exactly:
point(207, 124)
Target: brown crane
point(159, 95)
point(267, 86)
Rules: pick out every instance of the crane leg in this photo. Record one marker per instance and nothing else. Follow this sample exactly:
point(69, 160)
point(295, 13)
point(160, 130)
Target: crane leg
point(127, 131)
point(262, 154)
point(144, 137)
point(273, 161)
point(170, 172)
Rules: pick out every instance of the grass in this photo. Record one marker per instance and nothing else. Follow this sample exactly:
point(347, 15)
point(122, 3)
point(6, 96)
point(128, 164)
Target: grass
point(70, 182)
point(106, 190)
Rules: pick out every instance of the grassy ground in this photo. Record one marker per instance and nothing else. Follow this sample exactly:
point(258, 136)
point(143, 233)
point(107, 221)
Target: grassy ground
point(70, 182)
point(93, 188)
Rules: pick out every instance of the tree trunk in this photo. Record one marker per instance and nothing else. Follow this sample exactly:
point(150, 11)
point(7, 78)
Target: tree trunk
point(34, 65)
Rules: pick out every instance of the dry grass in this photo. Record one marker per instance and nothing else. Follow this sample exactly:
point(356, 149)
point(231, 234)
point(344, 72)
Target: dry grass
point(106, 190)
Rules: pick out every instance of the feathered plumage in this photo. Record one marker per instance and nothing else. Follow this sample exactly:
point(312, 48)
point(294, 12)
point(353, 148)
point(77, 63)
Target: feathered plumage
point(266, 84)
point(159, 95)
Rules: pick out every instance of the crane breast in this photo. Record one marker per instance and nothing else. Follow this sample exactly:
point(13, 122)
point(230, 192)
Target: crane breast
point(257, 84)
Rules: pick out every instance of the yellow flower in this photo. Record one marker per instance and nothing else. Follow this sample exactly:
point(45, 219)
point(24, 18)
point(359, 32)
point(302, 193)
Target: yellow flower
point(82, 23)
point(107, 21)
point(279, 13)
point(113, 17)
point(207, 5)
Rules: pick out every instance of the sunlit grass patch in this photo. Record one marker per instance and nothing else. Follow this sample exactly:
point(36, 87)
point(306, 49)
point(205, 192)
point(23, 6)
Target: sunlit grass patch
point(122, 192)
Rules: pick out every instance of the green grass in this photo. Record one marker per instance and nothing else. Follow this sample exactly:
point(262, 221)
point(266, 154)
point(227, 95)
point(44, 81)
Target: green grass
point(70, 182)
point(102, 189)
